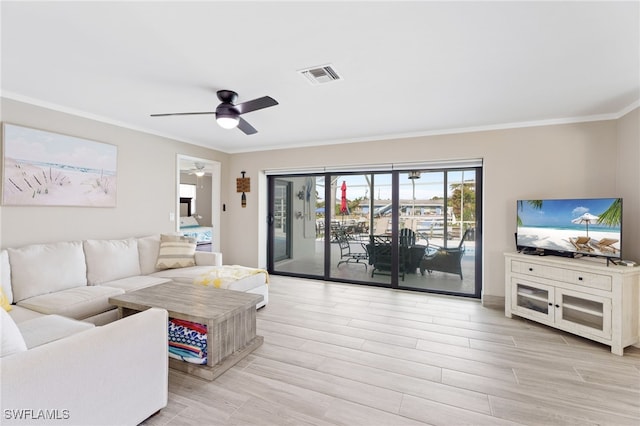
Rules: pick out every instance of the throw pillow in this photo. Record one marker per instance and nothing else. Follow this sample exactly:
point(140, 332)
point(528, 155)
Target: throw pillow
point(176, 251)
point(4, 300)
point(12, 340)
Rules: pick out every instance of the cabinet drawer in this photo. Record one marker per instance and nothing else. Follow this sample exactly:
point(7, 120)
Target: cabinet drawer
point(588, 279)
point(536, 270)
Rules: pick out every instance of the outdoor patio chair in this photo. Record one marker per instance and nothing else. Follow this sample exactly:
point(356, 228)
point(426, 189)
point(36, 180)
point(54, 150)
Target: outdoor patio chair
point(407, 237)
point(444, 259)
point(346, 255)
point(381, 256)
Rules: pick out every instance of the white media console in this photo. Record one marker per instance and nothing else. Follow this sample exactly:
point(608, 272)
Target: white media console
point(581, 296)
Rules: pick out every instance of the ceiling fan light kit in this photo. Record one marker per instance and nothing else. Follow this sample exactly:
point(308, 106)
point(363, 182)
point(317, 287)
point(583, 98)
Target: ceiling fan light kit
point(227, 121)
point(228, 114)
point(198, 170)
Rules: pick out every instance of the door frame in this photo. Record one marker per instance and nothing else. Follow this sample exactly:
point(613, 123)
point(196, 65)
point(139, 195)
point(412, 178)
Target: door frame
point(394, 172)
point(215, 168)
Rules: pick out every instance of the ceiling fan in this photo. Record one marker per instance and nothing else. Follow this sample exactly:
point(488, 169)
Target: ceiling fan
point(228, 113)
point(198, 170)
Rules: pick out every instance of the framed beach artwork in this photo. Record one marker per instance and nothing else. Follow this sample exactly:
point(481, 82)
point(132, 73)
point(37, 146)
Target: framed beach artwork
point(50, 169)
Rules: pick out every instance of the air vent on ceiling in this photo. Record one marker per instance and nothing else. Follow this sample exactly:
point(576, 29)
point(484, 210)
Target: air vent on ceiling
point(320, 75)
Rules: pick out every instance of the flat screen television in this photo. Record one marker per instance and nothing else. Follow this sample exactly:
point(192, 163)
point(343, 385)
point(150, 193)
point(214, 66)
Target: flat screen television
point(585, 226)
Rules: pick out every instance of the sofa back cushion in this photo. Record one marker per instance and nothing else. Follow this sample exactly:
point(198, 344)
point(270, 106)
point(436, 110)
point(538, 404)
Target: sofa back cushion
point(148, 248)
point(45, 268)
point(109, 260)
point(5, 275)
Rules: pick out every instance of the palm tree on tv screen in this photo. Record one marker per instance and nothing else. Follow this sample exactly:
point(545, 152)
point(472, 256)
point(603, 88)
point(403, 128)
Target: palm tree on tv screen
point(613, 215)
point(536, 204)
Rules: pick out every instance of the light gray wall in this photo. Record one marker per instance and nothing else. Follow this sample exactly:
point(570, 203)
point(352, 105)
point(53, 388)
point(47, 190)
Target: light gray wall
point(560, 161)
point(628, 182)
point(147, 183)
point(597, 159)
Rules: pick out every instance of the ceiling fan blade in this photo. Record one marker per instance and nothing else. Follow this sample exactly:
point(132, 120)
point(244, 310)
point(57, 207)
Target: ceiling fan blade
point(246, 128)
point(182, 113)
point(256, 104)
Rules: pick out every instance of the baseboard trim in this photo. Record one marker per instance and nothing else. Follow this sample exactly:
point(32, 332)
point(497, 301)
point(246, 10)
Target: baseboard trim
point(489, 301)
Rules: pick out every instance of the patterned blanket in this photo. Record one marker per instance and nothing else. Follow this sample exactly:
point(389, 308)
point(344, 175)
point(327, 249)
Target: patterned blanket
point(221, 276)
point(187, 341)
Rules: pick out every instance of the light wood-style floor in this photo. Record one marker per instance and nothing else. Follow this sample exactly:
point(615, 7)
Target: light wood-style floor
point(339, 354)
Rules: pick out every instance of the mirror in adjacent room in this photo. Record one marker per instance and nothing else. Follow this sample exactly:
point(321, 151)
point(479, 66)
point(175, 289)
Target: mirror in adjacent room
point(198, 201)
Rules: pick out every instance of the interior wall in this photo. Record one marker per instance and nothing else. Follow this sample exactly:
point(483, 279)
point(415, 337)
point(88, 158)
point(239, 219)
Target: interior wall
point(560, 161)
point(628, 182)
point(146, 189)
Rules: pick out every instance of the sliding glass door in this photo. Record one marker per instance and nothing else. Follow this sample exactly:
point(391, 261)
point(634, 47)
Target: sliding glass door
point(296, 228)
point(362, 224)
point(439, 210)
point(415, 229)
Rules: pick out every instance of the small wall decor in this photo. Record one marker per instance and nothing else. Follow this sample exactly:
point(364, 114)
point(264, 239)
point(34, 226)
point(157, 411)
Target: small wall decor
point(49, 169)
point(243, 185)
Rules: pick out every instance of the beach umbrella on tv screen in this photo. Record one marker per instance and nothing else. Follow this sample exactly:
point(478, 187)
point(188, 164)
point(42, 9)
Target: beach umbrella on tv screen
point(586, 219)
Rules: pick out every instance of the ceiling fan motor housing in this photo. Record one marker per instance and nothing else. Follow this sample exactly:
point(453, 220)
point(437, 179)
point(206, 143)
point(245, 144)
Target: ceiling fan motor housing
point(227, 96)
point(226, 110)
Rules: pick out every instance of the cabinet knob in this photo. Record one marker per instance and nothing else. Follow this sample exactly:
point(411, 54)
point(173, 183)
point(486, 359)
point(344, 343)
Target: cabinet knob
point(579, 278)
point(557, 306)
point(530, 269)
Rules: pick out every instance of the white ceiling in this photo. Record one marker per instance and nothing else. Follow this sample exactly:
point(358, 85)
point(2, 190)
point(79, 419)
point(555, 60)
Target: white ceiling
point(409, 68)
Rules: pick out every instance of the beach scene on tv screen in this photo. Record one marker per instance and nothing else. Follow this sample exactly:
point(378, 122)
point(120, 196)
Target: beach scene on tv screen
point(588, 226)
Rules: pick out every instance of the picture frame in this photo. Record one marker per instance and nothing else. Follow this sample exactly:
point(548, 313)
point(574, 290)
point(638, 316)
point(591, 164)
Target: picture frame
point(42, 168)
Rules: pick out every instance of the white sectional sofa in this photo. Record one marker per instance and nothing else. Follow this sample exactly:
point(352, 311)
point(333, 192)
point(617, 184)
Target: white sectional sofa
point(72, 373)
point(72, 357)
point(76, 278)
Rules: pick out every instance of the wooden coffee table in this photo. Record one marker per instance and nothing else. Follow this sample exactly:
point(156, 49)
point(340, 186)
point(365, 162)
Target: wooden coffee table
point(230, 317)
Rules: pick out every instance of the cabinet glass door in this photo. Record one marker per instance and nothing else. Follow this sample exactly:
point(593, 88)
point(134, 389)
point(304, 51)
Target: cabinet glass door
point(533, 300)
point(584, 312)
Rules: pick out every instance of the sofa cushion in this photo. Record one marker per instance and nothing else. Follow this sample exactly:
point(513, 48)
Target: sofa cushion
point(188, 275)
point(233, 277)
point(136, 283)
point(185, 275)
point(109, 260)
point(148, 249)
point(11, 339)
point(46, 268)
point(247, 283)
point(48, 328)
point(20, 314)
point(176, 252)
point(78, 303)
point(5, 275)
